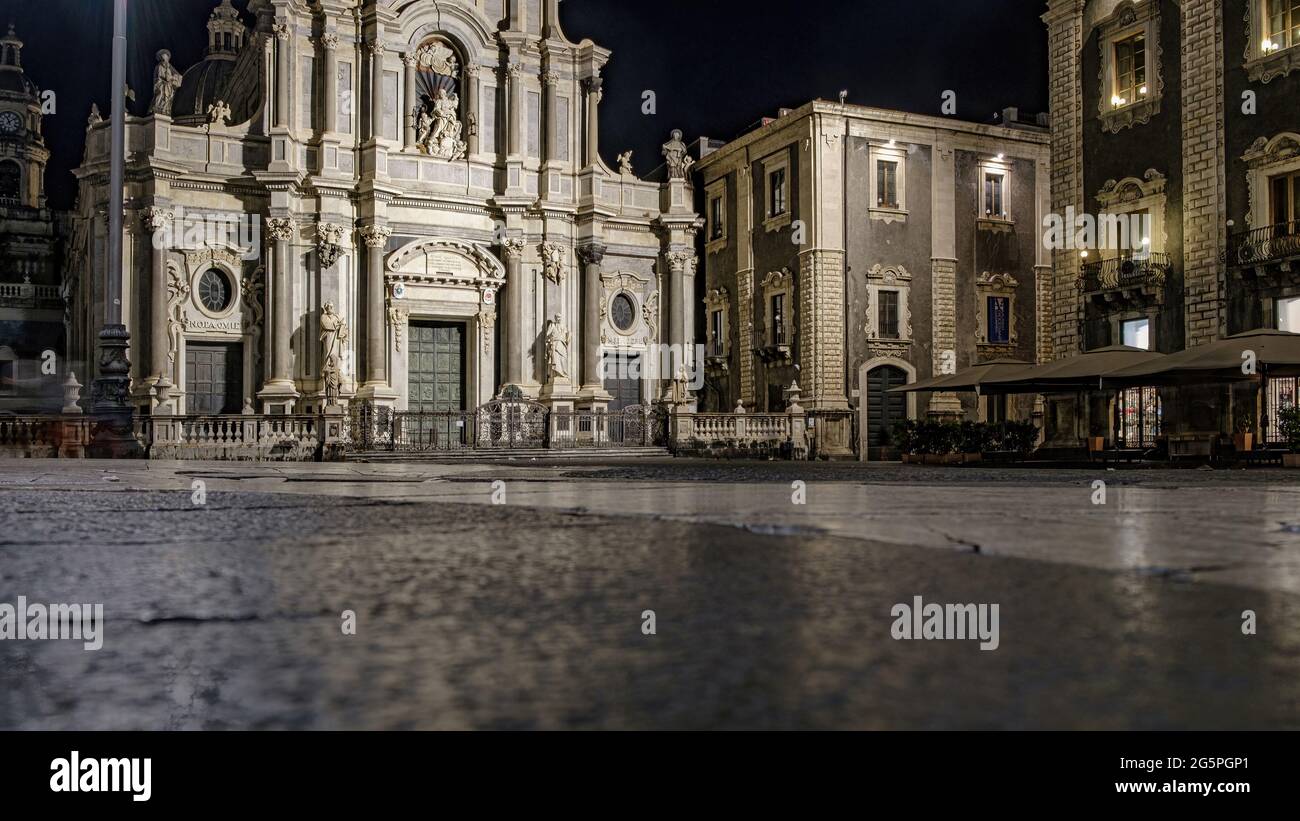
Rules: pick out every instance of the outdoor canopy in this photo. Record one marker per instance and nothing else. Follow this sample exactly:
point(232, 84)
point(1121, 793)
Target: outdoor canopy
point(967, 380)
point(1278, 351)
point(1082, 371)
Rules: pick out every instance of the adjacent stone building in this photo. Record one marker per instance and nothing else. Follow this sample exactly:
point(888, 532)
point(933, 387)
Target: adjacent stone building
point(854, 250)
point(417, 215)
point(31, 307)
point(1183, 112)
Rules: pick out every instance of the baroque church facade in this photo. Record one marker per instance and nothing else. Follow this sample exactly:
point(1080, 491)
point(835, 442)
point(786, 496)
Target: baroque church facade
point(410, 211)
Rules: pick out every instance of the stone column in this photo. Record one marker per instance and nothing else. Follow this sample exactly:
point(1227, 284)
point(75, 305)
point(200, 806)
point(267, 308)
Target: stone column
point(472, 92)
point(377, 50)
point(156, 220)
point(591, 257)
point(282, 78)
point(515, 73)
point(943, 277)
point(551, 80)
point(375, 238)
point(593, 87)
point(678, 262)
point(409, 102)
point(280, 230)
point(330, 41)
point(516, 295)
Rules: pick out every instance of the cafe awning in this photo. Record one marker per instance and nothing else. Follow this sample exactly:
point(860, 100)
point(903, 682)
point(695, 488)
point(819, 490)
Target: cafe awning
point(1084, 371)
point(1276, 351)
point(967, 380)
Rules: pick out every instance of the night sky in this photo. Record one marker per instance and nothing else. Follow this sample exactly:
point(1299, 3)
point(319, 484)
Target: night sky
point(716, 66)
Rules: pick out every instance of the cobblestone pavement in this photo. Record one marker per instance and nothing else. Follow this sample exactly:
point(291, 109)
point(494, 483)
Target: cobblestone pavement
point(529, 614)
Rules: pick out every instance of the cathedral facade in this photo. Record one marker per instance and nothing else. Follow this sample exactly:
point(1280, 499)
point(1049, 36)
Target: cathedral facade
point(397, 203)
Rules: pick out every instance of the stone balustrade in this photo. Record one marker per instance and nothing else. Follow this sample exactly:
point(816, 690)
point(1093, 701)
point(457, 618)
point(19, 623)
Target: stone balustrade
point(45, 437)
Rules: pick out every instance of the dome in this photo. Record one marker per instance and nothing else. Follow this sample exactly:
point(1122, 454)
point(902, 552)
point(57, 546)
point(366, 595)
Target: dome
point(16, 82)
point(201, 86)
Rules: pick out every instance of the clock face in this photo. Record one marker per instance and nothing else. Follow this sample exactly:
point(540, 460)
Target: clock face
point(10, 123)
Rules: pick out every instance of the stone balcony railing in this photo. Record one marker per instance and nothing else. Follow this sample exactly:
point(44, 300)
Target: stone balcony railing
point(1261, 246)
point(27, 295)
point(1148, 271)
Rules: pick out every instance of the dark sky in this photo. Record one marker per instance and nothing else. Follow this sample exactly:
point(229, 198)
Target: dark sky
point(716, 66)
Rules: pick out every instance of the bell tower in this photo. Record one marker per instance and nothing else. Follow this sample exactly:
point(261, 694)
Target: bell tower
point(23, 155)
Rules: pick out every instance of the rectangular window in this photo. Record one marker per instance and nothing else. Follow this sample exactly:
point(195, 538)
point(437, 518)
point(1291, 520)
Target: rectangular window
point(1283, 25)
point(886, 184)
point(995, 408)
point(1284, 203)
point(999, 319)
point(719, 343)
point(776, 193)
point(1130, 70)
point(778, 320)
point(994, 202)
point(717, 228)
point(345, 98)
point(887, 314)
point(1288, 315)
point(1136, 333)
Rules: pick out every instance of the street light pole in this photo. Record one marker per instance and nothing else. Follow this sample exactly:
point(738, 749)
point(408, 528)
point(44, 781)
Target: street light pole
point(110, 394)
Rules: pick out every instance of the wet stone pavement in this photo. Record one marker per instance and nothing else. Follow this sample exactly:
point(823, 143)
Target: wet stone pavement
point(528, 614)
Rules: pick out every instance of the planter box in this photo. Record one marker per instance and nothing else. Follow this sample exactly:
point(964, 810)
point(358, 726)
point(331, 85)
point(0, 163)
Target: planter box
point(1243, 442)
point(1096, 444)
point(972, 458)
point(1291, 460)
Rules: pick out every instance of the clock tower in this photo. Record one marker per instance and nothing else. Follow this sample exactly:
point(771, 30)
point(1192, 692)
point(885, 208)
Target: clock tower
point(32, 309)
point(23, 154)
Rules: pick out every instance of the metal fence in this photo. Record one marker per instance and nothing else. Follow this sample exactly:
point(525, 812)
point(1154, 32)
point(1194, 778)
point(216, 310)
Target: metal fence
point(504, 425)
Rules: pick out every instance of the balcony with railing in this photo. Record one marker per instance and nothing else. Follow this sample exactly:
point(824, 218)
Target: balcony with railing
point(1261, 247)
point(1140, 276)
point(27, 295)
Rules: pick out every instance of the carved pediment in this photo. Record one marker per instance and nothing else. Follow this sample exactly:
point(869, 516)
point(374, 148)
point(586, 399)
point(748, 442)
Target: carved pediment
point(446, 261)
point(1131, 189)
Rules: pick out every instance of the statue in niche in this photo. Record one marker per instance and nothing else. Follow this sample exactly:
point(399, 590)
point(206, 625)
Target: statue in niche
point(557, 348)
point(438, 127)
point(166, 81)
point(333, 333)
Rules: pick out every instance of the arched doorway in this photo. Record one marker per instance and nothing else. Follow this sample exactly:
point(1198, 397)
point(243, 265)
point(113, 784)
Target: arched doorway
point(880, 409)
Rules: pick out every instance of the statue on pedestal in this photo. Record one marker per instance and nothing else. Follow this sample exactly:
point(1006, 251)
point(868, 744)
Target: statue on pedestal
point(333, 333)
point(166, 80)
point(557, 348)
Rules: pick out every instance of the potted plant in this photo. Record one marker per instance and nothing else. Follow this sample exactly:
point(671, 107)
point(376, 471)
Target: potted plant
point(1244, 437)
point(1288, 424)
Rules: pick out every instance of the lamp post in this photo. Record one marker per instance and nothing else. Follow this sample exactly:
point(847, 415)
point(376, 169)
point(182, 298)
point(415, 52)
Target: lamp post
point(114, 435)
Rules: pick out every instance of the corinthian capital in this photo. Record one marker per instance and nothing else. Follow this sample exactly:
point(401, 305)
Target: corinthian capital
point(377, 47)
point(330, 40)
point(281, 31)
point(280, 229)
point(512, 247)
point(592, 254)
point(376, 236)
point(681, 261)
point(156, 219)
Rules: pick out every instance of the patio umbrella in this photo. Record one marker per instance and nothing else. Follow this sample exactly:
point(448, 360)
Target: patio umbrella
point(1276, 351)
point(1082, 371)
point(967, 380)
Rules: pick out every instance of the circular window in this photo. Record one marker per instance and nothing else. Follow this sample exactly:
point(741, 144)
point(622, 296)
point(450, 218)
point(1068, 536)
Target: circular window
point(623, 312)
point(215, 292)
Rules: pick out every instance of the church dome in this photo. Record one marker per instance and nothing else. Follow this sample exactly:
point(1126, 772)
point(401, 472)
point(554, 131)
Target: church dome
point(12, 78)
point(201, 86)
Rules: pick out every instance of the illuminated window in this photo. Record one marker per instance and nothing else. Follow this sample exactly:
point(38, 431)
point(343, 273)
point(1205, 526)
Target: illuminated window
point(1284, 200)
point(1282, 26)
point(995, 195)
point(719, 334)
point(886, 184)
point(778, 320)
point(1136, 333)
point(1130, 70)
point(1288, 315)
